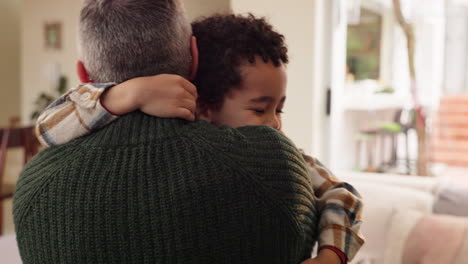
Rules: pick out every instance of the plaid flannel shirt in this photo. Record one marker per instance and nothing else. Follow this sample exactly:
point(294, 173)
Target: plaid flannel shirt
point(74, 114)
point(340, 207)
point(79, 112)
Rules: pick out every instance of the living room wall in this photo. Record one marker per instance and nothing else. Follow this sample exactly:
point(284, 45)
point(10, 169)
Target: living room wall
point(197, 8)
point(9, 62)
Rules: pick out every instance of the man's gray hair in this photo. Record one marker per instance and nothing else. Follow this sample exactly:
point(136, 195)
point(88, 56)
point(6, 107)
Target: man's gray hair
point(124, 39)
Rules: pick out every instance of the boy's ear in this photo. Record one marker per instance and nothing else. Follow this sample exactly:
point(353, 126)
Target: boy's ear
point(82, 72)
point(194, 52)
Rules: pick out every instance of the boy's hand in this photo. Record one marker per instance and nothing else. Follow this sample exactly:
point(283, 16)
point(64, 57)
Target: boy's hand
point(325, 256)
point(163, 95)
point(167, 96)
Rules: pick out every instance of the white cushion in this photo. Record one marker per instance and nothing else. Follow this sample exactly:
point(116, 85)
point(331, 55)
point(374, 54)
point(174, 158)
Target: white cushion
point(425, 184)
point(434, 239)
point(401, 224)
point(380, 202)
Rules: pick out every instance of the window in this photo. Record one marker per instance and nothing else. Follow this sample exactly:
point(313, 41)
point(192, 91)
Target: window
point(363, 46)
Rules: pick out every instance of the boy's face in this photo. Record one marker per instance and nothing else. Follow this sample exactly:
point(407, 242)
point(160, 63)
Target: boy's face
point(258, 101)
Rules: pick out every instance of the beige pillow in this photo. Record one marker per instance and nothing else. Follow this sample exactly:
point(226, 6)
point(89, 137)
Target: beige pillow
point(380, 203)
point(436, 239)
point(402, 223)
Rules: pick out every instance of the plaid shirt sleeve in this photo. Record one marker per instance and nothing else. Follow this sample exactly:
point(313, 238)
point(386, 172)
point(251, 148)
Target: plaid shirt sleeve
point(340, 207)
point(74, 114)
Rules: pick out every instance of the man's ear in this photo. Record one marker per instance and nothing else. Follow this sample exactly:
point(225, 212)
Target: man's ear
point(82, 72)
point(194, 52)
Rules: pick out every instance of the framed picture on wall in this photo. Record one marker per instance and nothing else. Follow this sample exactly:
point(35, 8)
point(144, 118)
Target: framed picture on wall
point(53, 35)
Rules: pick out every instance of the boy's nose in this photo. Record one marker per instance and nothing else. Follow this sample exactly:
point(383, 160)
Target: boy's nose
point(275, 123)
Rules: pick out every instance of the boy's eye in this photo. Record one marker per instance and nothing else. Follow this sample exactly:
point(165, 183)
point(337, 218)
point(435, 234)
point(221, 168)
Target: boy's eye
point(279, 111)
point(258, 111)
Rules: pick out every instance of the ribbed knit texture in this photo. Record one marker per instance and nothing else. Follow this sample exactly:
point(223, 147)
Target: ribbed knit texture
point(152, 190)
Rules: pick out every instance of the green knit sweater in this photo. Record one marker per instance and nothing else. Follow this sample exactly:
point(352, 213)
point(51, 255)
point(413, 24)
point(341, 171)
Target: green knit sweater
point(152, 190)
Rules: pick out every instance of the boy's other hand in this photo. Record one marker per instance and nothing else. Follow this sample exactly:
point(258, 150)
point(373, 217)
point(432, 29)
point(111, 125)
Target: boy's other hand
point(325, 256)
point(163, 95)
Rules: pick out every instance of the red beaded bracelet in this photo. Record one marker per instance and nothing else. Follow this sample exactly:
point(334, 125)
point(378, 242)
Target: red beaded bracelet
point(338, 252)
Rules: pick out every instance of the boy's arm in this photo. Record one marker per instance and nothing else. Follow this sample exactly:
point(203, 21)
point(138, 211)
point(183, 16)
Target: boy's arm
point(74, 114)
point(340, 207)
point(91, 106)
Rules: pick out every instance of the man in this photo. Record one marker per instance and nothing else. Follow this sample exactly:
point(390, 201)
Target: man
point(152, 190)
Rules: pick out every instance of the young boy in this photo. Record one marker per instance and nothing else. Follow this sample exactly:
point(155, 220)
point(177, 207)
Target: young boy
point(241, 81)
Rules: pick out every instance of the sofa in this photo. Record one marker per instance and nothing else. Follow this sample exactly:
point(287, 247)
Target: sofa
point(411, 219)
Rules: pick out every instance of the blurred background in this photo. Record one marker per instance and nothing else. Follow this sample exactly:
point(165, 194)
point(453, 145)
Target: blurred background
point(375, 86)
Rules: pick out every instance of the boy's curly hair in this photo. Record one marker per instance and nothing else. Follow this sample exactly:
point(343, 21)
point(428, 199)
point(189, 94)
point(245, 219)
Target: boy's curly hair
point(227, 41)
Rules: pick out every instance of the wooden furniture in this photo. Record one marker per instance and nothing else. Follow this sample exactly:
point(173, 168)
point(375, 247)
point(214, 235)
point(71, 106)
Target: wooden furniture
point(21, 137)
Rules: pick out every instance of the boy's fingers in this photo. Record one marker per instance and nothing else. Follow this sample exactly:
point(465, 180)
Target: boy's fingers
point(189, 87)
point(186, 96)
point(185, 114)
point(190, 104)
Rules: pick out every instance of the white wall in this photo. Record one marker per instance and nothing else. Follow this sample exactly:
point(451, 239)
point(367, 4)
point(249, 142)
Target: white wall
point(295, 20)
point(9, 60)
point(341, 152)
point(197, 8)
point(456, 60)
point(431, 38)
